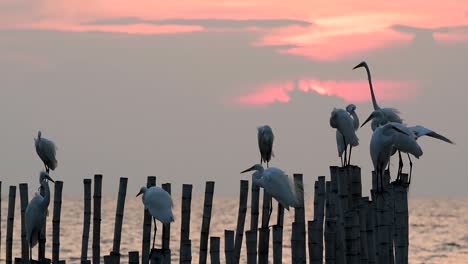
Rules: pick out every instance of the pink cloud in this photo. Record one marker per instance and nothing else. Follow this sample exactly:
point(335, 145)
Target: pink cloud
point(350, 91)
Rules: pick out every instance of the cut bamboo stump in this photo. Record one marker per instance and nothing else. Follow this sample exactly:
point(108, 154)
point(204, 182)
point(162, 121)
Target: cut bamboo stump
point(330, 226)
point(401, 220)
point(119, 214)
point(339, 197)
point(316, 241)
point(97, 218)
point(264, 232)
point(277, 244)
point(185, 243)
point(228, 246)
point(214, 250)
point(299, 219)
point(147, 220)
point(205, 228)
point(56, 222)
point(251, 245)
point(23, 188)
point(10, 222)
point(133, 257)
point(244, 191)
point(166, 233)
point(363, 229)
point(156, 256)
point(86, 220)
point(254, 212)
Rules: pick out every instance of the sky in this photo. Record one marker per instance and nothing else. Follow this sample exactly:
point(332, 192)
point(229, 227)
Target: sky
point(176, 89)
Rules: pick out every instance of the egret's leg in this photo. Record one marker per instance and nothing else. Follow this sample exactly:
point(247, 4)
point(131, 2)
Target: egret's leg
point(155, 228)
point(30, 253)
point(349, 159)
point(341, 158)
point(345, 151)
point(400, 165)
point(410, 168)
point(271, 209)
point(268, 166)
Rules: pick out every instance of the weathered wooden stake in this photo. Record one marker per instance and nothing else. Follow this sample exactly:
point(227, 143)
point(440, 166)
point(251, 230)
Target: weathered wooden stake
point(299, 219)
point(340, 200)
point(10, 222)
point(244, 191)
point(185, 243)
point(147, 221)
point(86, 220)
point(119, 214)
point(277, 244)
point(97, 218)
point(264, 232)
point(363, 207)
point(156, 256)
point(254, 212)
point(382, 226)
point(205, 228)
point(371, 217)
point(133, 257)
point(23, 188)
point(228, 246)
point(316, 253)
point(214, 250)
point(401, 220)
point(166, 233)
point(56, 221)
point(251, 246)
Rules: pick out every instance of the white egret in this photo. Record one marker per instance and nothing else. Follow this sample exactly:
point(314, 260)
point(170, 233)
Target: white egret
point(265, 143)
point(276, 183)
point(404, 143)
point(381, 147)
point(390, 114)
point(46, 150)
point(340, 144)
point(36, 212)
point(159, 204)
point(344, 124)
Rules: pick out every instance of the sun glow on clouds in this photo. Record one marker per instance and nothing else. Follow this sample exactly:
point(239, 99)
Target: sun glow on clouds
point(350, 91)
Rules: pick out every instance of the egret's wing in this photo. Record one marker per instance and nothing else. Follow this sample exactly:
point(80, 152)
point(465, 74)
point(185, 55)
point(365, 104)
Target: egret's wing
point(47, 150)
point(420, 131)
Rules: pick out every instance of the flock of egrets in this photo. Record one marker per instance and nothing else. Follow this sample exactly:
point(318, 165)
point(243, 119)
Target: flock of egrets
point(389, 136)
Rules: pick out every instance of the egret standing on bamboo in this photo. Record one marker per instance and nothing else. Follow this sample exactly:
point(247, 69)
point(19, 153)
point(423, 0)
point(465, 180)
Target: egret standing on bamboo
point(340, 144)
point(46, 150)
point(345, 126)
point(36, 212)
point(159, 204)
point(275, 182)
point(265, 143)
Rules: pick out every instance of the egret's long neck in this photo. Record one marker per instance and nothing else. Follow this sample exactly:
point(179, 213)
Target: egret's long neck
point(374, 102)
point(355, 120)
point(46, 200)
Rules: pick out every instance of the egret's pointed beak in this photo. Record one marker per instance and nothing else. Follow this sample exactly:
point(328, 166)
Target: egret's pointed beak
point(368, 119)
point(359, 65)
point(249, 169)
point(139, 193)
point(49, 178)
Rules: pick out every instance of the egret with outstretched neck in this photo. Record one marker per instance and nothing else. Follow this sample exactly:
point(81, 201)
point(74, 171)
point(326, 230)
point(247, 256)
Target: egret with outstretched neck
point(46, 149)
point(36, 212)
point(265, 143)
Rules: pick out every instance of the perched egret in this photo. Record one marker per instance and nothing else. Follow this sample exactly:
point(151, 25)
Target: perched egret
point(276, 183)
point(36, 212)
point(265, 143)
point(404, 143)
point(159, 204)
point(381, 147)
point(340, 144)
point(46, 150)
point(345, 126)
point(390, 114)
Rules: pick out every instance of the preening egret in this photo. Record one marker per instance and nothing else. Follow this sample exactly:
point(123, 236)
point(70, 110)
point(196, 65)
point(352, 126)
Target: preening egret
point(405, 143)
point(46, 150)
point(36, 212)
point(159, 204)
point(265, 143)
point(276, 183)
point(390, 114)
point(340, 144)
point(381, 147)
point(345, 126)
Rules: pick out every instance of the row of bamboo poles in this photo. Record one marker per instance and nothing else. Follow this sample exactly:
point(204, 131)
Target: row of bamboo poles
point(346, 227)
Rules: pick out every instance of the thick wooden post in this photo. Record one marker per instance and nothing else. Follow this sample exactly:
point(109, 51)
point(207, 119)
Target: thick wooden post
point(86, 220)
point(401, 221)
point(185, 243)
point(228, 246)
point(251, 246)
point(147, 221)
point(56, 222)
point(10, 222)
point(97, 218)
point(214, 250)
point(133, 257)
point(166, 233)
point(205, 228)
point(119, 214)
point(244, 191)
point(23, 188)
point(299, 219)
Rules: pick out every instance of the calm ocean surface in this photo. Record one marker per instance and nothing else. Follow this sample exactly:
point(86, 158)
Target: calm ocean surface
point(438, 228)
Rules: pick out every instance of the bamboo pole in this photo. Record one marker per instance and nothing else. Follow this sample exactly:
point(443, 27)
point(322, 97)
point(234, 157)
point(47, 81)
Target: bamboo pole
point(133, 257)
point(185, 244)
point(23, 189)
point(319, 211)
point(363, 207)
point(277, 244)
point(264, 232)
point(251, 245)
point(314, 237)
point(86, 220)
point(295, 243)
point(205, 228)
point(401, 220)
point(10, 222)
point(107, 260)
point(119, 214)
point(214, 250)
point(254, 212)
point(166, 233)
point(330, 226)
point(339, 190)
point(382, 228)
point(299, 218)
point(228, 246)
point(244, 192)
point(97, 218)
point(56, 221)
point(147, 219)
point(371, 231)
point(42, 236)
point(156, 256)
